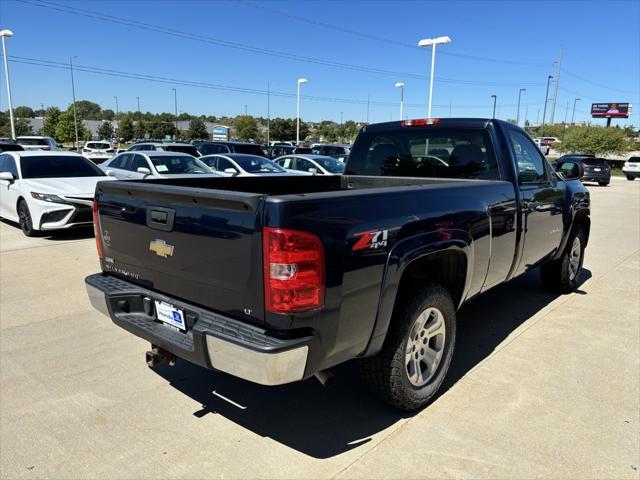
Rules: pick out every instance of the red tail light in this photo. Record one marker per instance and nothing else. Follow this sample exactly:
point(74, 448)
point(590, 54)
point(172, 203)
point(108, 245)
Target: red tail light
point(420, 122)
point(293, 271)
point(97, 231)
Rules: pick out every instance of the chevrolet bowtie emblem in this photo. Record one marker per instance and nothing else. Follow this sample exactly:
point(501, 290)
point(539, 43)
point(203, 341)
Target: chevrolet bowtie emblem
point(161, 248)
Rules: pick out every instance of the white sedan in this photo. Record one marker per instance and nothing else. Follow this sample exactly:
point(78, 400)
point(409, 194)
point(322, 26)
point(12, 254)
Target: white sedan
point(311, 164)
point(242, 165)
point(154, 164)
point(47, 190)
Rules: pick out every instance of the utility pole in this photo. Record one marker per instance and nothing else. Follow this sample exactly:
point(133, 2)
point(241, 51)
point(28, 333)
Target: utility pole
point(138, 99)
point(175, 106)
point(341, 114)
point(566, 112)
point(573, 114)
point(518, 111)
point(245, 110)
point(557, 82)
point(368, 109)
point(268, 113)
point(544, 112)
point(526, 113)
point(117, 115)
point(73, 92)
point(495, 98)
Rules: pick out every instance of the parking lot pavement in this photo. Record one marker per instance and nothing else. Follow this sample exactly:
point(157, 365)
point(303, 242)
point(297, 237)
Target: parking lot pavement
point(541, 386)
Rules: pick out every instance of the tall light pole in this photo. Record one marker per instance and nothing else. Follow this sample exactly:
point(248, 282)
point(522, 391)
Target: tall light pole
point(175, 106)
point(8, 34)
point(518, 111)
point(268, 114)
point(495, 98)
point(73, 93)
point(544, 111)
point(117, 113)
point(42, 107)
point(432, 42)
point(138, 100)
point(400, 85)
point(341, 117)
point(573, 114)
point(300, 82)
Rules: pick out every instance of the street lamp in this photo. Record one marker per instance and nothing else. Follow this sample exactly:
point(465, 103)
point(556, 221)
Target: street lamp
point(175, 105)
point(300, 82)
point(544, 110)
point(518, 112)
point(3, 34)
point(573, 114)
point(138, 99)
point(117, 114)
point(432, 42)
point(73, 92)
point(400, 85)
point(495, 98)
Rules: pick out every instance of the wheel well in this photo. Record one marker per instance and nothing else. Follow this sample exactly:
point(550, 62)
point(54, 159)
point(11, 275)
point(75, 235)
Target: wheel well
point(582, 219)
point(20, 199)
point(447, 268)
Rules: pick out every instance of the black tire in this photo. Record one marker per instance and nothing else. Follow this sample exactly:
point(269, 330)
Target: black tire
point(386, 373)
point(631, 177)
point(557, 275)
point(26, 223)
point(603, 184)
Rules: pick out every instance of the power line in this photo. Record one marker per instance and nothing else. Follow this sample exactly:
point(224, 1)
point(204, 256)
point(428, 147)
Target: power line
point(252, 49)
point(586, 80)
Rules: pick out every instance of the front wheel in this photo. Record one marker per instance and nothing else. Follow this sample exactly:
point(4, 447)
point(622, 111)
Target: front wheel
point(603, 184)
point(631, 177)
point(562, 275)
point(24, 216)
point(417, 352)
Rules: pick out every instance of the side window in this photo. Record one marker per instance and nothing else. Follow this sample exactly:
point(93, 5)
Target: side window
point(9, 165)
point(211, 162)
point(138, 162)
point(286, 162)
point(303, 165)
point(223, 164)
point(120, 161)
point(531, 165)
point(3, 167)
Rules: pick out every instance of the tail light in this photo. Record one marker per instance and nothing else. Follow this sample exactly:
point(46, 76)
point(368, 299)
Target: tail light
point(293, 271)
point(97, 231)
point(420, 122)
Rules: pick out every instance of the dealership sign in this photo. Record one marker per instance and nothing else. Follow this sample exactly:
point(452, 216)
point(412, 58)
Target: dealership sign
point(610, 110)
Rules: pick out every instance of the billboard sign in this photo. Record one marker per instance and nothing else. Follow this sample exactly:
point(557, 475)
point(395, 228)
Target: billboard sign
point(610, 110)
point(221, 132)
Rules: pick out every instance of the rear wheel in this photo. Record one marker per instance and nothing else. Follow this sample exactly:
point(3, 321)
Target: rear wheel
point(603, 184)
point(24, 216)
point(417, 352)
point(562, 275)
point(631, 177)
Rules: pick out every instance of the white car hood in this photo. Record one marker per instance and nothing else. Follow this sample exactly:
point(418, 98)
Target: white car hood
point(81, 186)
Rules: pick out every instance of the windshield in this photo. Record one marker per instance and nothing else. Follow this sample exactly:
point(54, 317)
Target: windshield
point(190, 149)
point(58, 166)
point(31, 141)
point(98, 145)
point(258, 165)
point(330, 164)
point(248, 148)
point(170, 165)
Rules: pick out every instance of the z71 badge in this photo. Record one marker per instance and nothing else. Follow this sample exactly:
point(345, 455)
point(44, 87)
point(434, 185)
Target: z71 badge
point(371, 239)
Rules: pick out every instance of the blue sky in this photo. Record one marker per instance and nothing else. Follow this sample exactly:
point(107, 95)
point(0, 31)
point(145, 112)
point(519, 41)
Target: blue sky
point(601, 61)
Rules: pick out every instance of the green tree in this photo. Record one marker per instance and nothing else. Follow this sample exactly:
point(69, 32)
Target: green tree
point(105, 131)
point(23, 112)
point(108, 114)
point(125, 128)
point(51, 119)
point(280, 129)
point(596, 140)
point(140, 129)
point(197, 130)
point(65, 131)
point(184, 116)
point(87, 110)
point(23, 127)
point(246, 127)
point(159, 130)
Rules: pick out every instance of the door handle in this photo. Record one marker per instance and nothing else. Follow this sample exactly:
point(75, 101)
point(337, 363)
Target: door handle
point(160, 218)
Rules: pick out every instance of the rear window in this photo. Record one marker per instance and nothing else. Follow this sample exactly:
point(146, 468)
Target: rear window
point(330, 164)
point(58, 166)
point(249, 149)
point(31, 141)
point(425, 152)
point(99, 145)
point(190, 149)
point(209, 149)
point(594, 161)
point(169, 165)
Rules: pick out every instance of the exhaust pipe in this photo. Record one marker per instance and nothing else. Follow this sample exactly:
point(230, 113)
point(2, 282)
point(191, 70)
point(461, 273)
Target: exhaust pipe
point(325, 377)
point(158, 355)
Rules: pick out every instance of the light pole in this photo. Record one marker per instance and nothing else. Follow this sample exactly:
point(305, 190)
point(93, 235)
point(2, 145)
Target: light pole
point(42, 107)
point(341, 117)
point(73, 93)
point(495, 98)
point(544, 110)
point(300, 82)
point(175, 106)
point(432, 42)
point(117, 114)
point(400, 85)
point(9, 34)
point(245, 109)
point(573, 114)
point(138, 99)
point(518, 111)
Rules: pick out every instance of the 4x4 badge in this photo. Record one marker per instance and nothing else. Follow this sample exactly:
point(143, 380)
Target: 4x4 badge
point(161, 248)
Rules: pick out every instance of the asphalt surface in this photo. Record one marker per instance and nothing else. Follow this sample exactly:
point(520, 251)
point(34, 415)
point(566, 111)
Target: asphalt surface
point(542, 386)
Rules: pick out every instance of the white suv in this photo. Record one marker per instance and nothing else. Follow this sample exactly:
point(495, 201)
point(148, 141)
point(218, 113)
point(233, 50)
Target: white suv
point(98, 152)
point(631, 168)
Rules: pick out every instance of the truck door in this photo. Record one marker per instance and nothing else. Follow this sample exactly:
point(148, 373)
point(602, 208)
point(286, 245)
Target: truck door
point(541, 196)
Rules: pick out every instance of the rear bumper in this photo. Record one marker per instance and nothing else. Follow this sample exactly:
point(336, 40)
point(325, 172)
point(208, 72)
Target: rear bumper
point(596, 176)
point(212, 340)
point(631, 173)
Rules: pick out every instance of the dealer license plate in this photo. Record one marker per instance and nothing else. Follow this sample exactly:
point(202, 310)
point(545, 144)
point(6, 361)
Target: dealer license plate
point(170, 315)
point(596, 169)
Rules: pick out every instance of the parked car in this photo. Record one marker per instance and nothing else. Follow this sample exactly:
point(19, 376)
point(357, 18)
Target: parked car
point(165, 147)
point(631, 168)
point(37, 143)
point(98, 152)
point(211, 148)
point(10, 146)
point(276, 151)
point(545, 149)
point(47, 190)
point(154, 164)
point(340, 152)
point(361, 266)
point(595, 169)
point(550, 141)
point(242, 165)
point(311, 164)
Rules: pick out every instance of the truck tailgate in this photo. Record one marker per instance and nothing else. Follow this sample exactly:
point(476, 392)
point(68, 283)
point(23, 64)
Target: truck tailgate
point(189, 243)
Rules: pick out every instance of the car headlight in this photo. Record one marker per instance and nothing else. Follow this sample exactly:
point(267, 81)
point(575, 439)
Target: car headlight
point(47, 197)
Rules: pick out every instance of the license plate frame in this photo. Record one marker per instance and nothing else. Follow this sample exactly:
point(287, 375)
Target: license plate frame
point(597, 169)
point(170, 315)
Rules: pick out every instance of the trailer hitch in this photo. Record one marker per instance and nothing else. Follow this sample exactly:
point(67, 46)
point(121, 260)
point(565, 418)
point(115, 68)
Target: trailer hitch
point(158, 355)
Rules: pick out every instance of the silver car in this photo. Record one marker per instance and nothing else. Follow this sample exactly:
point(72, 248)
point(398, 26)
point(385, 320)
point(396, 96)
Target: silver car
point(143, 165)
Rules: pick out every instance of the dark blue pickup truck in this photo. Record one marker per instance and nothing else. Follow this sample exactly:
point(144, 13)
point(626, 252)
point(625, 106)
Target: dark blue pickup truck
point(277, 279)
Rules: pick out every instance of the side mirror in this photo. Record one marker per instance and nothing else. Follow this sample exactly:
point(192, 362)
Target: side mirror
point(527, 176)
point(232, 171)
point(110, 173)
point(570, 170)
point(144, 171)
point(8, 176)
